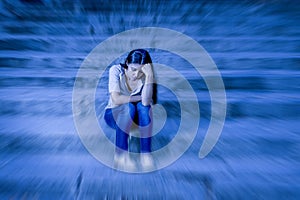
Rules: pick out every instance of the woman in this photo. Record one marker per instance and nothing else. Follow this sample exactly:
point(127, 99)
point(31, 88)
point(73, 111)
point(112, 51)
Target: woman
point(131, 95)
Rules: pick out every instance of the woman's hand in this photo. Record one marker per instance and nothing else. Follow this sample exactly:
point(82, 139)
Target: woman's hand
point(148, 87)
point(147, 70)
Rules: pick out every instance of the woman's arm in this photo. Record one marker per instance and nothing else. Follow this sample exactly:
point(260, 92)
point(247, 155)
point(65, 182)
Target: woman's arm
point(148, 86)
point(119, 99)
point(114, 88)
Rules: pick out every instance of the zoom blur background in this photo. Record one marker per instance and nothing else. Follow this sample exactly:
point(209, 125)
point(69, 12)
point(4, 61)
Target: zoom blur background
point(256, 46)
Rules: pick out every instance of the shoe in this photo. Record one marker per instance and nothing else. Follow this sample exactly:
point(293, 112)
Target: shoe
point(119, 161)
point(124, 162)
point(147, 161)
point(130, 164)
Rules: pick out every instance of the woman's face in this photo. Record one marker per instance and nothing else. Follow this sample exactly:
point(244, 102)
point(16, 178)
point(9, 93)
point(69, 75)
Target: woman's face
point(134, 71)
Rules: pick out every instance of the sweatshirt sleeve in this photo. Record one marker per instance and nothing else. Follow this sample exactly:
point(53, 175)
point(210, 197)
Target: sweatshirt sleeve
point(114, 79)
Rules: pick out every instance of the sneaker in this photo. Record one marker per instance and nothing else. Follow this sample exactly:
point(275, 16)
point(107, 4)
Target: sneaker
point(119, 160)
point(147, 161)
point(124, 162)
point(130, 164)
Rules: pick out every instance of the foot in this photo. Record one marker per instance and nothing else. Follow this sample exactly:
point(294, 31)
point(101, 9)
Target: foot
point(147, 161)
point(124, 162)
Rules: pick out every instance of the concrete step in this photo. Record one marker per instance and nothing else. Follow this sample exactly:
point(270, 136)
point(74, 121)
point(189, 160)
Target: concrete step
point(255, 46)
point(58, 44)
point(58, 102)
point(53, 165)
point(214, 18)
point(283, 81)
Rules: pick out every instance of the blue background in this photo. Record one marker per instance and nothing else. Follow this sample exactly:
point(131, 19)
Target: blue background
point(256, 46)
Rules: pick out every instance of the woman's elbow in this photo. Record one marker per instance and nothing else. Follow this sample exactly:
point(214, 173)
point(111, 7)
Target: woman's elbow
point(115, 99)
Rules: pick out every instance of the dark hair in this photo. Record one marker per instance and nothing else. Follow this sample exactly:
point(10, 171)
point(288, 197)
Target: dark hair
point(137, 56)
point(140, 56)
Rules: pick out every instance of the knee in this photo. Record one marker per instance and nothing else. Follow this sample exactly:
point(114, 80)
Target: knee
point(143, 108)
point(127, 108)
point(144, 113)
point(132, 110)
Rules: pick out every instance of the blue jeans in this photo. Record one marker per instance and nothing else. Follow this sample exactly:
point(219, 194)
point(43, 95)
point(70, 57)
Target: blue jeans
point(121, 119)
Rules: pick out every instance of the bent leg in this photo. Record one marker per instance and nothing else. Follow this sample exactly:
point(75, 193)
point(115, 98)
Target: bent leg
point(109, 119)
point(123, 116)
point(145, 126)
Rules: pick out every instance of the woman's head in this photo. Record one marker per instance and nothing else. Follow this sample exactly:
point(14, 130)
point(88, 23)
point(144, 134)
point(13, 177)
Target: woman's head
point(138, 56)
point(134, 62)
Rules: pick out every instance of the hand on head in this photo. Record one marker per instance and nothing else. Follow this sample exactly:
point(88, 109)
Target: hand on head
point(147, 69)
